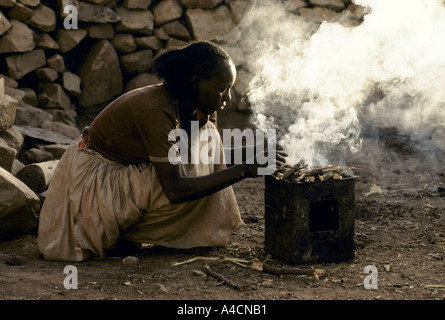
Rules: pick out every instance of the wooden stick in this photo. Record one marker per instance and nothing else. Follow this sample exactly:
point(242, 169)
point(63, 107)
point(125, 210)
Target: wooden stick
point(434, 286)
point(219, 276)
point(291, 171)
point(291, 270)
point(237, 261)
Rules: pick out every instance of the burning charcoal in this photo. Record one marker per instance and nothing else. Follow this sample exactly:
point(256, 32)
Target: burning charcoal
point(288, 171)
point(326, 176)
point(337, 176)
point(299, 174)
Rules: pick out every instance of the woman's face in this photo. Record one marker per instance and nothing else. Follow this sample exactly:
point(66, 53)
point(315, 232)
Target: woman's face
point(213, 93)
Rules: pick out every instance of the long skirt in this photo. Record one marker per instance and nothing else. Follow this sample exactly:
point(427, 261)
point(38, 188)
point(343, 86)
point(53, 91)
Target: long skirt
point(93, 201)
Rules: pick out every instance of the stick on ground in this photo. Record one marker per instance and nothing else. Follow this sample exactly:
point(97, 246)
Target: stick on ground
point(225, 280)
point(291, 270)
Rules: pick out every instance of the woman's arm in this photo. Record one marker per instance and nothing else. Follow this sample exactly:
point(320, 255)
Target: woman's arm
point(239, 154)
point(179, 188)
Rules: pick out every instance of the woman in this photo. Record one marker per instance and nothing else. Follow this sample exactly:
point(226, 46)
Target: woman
point(126, 178)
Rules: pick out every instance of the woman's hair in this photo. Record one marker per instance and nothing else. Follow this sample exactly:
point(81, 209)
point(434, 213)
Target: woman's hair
point(178, 66)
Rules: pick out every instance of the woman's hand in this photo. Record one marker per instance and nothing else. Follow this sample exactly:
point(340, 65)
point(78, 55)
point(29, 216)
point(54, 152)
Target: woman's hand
point(281, 155)
point(264, 163)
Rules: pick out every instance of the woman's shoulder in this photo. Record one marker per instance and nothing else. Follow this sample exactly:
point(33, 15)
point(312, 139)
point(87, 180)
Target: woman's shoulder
point(150, 100)
point(155, 91)
point(152, 96)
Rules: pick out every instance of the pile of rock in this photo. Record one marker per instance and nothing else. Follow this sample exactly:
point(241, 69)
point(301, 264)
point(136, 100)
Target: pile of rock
point(63, 61)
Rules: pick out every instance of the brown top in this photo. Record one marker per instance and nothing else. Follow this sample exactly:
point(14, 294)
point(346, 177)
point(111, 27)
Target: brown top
point(134, 128)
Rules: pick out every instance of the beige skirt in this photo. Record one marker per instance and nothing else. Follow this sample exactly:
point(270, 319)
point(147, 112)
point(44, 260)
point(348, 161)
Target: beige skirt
point(93, 201)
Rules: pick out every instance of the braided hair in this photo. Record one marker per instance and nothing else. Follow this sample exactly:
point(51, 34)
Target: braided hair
point(178, 66)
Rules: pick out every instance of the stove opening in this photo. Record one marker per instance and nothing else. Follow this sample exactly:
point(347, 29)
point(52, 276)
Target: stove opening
point(323, 216)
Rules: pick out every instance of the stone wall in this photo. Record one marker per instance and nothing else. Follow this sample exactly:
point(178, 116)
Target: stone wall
point(62, 61)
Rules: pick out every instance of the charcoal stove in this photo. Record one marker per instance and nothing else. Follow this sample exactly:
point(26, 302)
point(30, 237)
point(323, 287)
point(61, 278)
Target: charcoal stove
point(310, 222)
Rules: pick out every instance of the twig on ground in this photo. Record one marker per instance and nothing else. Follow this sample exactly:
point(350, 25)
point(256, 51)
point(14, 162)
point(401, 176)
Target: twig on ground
point(225, 280)
point(268, 268)
point(238, 261)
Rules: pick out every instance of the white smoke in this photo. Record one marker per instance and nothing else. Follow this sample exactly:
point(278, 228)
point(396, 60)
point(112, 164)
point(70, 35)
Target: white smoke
point(321, 87)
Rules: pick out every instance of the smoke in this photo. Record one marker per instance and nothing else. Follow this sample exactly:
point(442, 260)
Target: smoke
point(324, 87)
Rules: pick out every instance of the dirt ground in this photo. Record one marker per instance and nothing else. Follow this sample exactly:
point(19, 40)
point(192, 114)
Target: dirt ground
point(399, 229)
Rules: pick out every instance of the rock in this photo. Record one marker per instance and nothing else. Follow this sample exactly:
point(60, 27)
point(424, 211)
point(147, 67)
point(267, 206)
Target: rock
point(71, 83)
point(357, 12)
point(57, 150)
point(62, 128)
point(13, 138)
point(43, 19)
point(239, 8)
point(21, 64)
point(19, 207)
point(20, 12)
point(103, 2)
point(212, 25)
point(7, 155)
point(177, 30)
point(46, 74)
point(160, 34)
point(101, 75)
point(130, 261)
point(100, 31)
point(134, 21)
point(40, 134)
point(30, 96)
point(137, 4)
point(151, 42)
point(69, 39)
point(318, 14)
point(31, 116)
point(37, 176)
point(4, 24)
point(336, 5)
point(8, 107)
point(201, 4)
point(9, 82)
point(62, 4)
point(14, 93)
point(65, 116)
point(19, 38)
point(52, 95)
point(142, 80)
point(35, 155)
point(89, 12)
point(166, 10)
point(44, 41)
point(124, 42)
point(294, 5)
point(7, 113)
point(175, 43)
point(7, 3)
point(137, 62)
point(30, 3)
point(56, 62)
point(16, 167)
